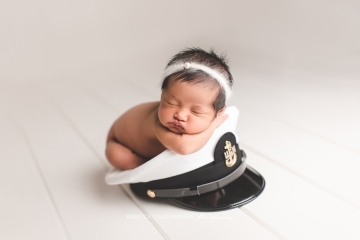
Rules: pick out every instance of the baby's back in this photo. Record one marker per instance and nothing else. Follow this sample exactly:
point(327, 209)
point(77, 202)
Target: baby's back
point(134, 130)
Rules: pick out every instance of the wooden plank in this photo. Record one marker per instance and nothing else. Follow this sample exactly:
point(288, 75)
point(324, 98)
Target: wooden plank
point(299, 210)
point(89, 208)
point(328, 165)
point(172, 220)
point(26, 208)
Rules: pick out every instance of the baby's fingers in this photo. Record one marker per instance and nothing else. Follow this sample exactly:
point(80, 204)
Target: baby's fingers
point(224, 116)
point(221, 118)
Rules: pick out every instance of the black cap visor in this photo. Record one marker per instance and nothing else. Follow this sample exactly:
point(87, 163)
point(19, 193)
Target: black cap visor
point(241, 191)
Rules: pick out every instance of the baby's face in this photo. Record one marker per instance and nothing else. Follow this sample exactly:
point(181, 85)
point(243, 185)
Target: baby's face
point(186, 107)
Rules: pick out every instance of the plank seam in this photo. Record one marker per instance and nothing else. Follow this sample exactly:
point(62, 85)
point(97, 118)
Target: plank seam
point(87, 89)
point(321, 187)
point(43, 180)
point(262, 223)
point(146, 214)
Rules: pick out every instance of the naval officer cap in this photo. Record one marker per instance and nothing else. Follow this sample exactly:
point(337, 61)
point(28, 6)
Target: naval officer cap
point(214, 178)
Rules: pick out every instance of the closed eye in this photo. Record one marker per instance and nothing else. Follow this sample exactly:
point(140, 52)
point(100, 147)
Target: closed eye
point(172, 104)
point(196, 112)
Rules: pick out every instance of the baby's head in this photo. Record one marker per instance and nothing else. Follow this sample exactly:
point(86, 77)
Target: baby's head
point(199, 67)
point(195, 88)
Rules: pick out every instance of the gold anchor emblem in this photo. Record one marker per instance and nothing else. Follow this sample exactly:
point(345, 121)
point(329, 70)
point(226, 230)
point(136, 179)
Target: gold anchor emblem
point(230, 154)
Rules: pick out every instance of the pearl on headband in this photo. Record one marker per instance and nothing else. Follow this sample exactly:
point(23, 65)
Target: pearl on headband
point(211, 72)
point(187, 65)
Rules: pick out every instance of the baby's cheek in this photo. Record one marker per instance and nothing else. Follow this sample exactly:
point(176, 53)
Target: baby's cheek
point(162, 114)
point(199, 126)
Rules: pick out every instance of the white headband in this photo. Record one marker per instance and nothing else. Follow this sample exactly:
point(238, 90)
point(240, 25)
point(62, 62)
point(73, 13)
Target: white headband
point(213, 73)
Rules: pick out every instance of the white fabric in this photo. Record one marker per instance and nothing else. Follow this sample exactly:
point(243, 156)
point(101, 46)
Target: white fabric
point(212, 72)
point(169, 163)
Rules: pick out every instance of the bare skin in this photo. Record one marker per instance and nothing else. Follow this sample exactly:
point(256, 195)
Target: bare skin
point(183, 121)
point(131, 140)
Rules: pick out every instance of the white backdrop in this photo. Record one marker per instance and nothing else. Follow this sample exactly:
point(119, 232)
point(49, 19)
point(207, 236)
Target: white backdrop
point(46, 40)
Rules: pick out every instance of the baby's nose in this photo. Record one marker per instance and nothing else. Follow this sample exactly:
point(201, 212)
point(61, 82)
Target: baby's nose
point(181, 116)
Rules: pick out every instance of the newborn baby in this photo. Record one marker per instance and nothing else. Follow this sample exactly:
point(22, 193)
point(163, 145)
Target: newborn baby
point(195, 88)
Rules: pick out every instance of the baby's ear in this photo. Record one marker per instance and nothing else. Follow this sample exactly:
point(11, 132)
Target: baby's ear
point(221, 111)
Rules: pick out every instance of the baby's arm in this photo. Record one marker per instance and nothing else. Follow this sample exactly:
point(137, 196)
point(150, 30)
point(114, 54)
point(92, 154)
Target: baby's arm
point(186, 143)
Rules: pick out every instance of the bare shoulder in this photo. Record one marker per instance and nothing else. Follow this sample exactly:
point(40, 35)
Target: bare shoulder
point(137, 118)
point(148, 107)
point(142, 110)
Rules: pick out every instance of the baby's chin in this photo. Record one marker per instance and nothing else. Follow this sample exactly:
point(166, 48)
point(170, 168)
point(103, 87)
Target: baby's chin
point(182, 131)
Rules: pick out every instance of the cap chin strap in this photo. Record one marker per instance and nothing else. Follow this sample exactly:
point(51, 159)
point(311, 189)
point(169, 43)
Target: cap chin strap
point(204, 188)
point(196, 66)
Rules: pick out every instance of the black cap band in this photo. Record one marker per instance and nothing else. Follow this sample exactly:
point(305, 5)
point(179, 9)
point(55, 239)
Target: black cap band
point(204, 188)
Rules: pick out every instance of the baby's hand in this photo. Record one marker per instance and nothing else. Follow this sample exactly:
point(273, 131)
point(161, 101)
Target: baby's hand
point(219, 120)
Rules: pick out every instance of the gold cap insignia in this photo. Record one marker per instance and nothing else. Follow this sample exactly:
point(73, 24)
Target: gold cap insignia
point(230, 154)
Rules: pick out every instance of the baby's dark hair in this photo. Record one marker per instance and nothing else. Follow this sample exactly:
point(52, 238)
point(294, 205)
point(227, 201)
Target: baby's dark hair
point(196, 76)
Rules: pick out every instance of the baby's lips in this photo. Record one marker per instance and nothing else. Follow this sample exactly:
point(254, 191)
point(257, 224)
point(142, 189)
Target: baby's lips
point(176, 124)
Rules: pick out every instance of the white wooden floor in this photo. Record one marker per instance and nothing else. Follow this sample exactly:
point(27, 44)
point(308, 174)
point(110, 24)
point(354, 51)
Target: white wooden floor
point(303, 135)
